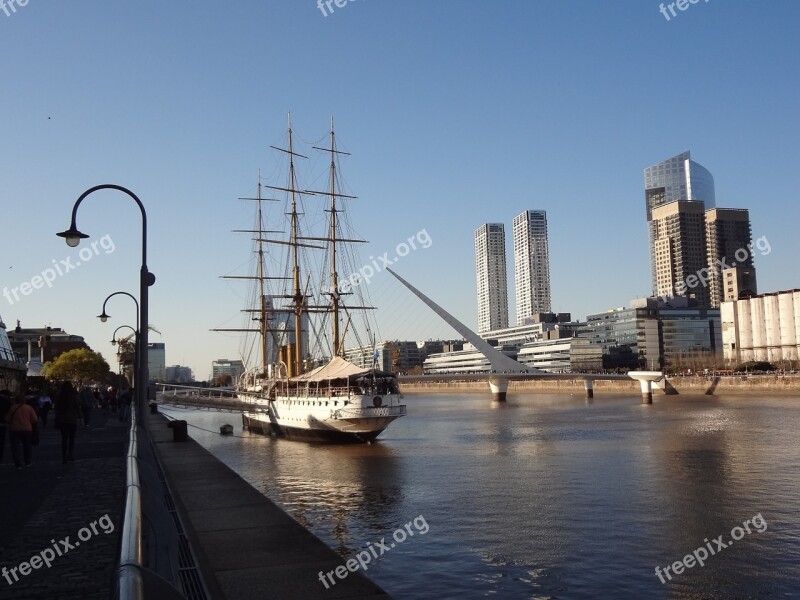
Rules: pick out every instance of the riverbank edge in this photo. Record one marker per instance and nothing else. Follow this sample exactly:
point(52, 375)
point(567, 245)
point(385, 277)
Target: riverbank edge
point(788, 385)
point(245, 545)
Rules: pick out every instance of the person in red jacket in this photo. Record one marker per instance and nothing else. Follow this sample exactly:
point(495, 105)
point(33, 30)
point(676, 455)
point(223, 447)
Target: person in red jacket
point(21, 419)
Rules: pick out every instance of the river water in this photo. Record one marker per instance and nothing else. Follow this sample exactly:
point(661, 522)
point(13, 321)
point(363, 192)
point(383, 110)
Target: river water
point(550, 496)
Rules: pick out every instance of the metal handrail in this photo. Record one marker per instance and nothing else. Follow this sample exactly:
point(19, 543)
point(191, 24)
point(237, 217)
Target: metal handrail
point(130, 583)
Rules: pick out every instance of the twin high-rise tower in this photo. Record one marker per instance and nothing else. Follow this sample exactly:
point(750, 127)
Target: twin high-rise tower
point(694, 246)
point(531, 270)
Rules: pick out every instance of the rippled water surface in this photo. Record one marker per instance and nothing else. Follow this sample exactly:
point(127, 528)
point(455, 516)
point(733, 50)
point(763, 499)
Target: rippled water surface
point(549, 496)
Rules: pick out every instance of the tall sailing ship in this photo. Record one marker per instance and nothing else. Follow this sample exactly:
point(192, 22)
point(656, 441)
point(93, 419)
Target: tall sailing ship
point(302, 387)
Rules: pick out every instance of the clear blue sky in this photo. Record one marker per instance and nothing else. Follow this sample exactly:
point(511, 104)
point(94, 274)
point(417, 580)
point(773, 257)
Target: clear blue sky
point(456, 112)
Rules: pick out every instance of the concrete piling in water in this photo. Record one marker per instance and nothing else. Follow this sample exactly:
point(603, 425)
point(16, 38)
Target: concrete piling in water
point(646, 380)
point(499, 388)
point(588, 385)
point(647, 391)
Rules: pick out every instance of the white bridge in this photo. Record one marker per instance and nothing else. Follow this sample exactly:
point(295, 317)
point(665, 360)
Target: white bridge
point(503, 369)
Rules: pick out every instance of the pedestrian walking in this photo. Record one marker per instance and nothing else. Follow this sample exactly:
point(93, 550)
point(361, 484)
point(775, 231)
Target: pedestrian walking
point(68, 411)
point(87, 404)
point(22, 421)
point(5, 404)
point(125, 399)
point(45, 404)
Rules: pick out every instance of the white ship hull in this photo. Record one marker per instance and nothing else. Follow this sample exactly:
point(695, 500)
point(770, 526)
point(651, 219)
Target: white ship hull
point(341, 419)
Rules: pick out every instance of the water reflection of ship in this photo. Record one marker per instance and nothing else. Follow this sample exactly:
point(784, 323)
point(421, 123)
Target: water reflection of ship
point(342, 486)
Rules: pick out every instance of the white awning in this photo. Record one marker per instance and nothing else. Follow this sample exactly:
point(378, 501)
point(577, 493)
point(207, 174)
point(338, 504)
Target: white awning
point(338, 368)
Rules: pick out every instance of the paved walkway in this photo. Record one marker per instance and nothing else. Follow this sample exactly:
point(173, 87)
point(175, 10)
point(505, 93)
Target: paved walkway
point(43, 504)
point(247, 547)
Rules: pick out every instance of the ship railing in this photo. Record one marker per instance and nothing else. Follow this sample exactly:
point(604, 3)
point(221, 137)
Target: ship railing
point(370, 411)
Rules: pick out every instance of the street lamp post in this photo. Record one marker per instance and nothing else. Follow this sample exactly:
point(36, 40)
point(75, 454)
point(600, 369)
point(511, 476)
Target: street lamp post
point(137, 350)
point(73, 237)
point(135, 346)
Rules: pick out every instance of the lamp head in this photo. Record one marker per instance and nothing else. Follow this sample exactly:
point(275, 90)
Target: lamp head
point(104, 317)
point(72, 236)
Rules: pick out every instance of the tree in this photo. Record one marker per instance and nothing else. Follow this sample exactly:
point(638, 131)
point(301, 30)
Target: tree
point(223, 380)
point(81, 364)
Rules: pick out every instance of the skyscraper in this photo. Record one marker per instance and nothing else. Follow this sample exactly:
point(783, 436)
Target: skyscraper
point(490, 272)
point(531, 264)
point(677, 178)
point(678, 232)
point(729, 241)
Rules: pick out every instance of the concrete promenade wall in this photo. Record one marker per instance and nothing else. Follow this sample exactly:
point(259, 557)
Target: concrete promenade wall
point(788, 385)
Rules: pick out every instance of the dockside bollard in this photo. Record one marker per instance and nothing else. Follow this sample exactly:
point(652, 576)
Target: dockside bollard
point(179, 431)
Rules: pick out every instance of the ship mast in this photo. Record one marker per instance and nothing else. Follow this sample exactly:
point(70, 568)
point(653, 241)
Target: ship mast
point(337, 349)
point(298, 298)
point(261, 291)
point(263, 309)
point(336, 304)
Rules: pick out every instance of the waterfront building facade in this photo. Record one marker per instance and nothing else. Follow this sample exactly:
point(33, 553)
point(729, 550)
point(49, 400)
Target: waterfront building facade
point(629, 338)
point(224, 366)
point(531, 264)
point(157, 361)
point(490, 273)
point(762, 328)
point(178, 374)
point(467, 360)
point(536, 327)
point(729, 241)
point(691, 337)
point(562, 355)
point(395, 356)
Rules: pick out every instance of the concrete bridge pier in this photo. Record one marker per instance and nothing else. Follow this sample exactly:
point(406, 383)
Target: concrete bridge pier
point(647, 391)
point(499, 388)
point(588, 385)
point(646, 379)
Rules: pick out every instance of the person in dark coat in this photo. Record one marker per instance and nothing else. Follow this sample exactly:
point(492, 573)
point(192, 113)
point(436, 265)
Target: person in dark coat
point(22, 420)
point(5, 404)
point(68, 410)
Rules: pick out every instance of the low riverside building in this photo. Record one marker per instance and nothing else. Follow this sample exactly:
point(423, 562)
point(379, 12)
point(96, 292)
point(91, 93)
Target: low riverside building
point(535, 327)
point(395, 356)
point(628, 337)
point(467, 360)
point(178, 374)
point(562, 355)
point(762, 328)
point(47, 342)
point(224, 366)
